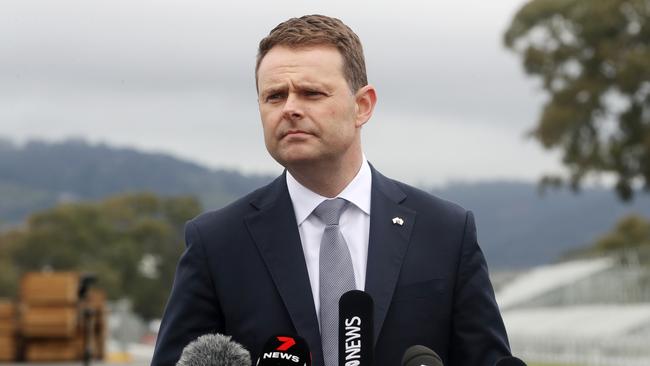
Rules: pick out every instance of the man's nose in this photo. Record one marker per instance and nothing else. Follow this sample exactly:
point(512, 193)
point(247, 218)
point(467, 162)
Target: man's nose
point(292, 107)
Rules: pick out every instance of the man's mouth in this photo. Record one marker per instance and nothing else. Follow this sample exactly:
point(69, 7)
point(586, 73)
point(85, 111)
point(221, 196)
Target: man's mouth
point(296, 133)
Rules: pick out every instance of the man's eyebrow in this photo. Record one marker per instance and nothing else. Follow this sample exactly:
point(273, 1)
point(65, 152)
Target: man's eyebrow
point(300, 86)
point(310, 85)
point(273, 89)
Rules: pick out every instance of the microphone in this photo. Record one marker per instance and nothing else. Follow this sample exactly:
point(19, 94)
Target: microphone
point(284, 350)
point(356, 329)
point(421, 356)
point(214, 350)
point(509, 361)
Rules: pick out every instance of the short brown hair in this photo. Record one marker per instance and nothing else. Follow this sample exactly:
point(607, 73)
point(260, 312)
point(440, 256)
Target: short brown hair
point(317, 30)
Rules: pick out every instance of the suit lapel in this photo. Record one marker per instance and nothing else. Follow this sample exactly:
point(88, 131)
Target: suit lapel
point(387, 243)
point(275, 232)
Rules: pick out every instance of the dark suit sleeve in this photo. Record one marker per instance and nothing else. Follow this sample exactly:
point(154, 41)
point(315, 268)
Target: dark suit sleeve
point(193, 307)
point(478, 334)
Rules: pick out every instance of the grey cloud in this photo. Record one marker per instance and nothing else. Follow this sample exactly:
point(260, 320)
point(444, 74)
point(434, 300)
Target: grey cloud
point(178, 77)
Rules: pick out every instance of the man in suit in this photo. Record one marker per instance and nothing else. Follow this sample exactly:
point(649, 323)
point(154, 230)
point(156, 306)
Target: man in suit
point(255, 268)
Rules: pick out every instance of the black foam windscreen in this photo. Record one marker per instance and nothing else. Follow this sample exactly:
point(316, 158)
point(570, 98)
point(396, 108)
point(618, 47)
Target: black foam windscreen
point(284, 350)
point(420, 356)
point(214, 350)
point(509, 361)
point(356, 309)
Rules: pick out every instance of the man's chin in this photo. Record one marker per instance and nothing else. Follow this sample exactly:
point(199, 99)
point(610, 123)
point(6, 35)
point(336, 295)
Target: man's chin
point(297, 161)
point(293, 152)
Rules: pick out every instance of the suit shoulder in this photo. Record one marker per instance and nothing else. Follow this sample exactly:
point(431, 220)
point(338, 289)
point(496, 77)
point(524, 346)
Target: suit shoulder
point(424, 201)
point(234, 211)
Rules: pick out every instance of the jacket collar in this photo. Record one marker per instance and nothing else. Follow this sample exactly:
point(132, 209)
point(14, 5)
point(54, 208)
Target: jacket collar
point(275, 231)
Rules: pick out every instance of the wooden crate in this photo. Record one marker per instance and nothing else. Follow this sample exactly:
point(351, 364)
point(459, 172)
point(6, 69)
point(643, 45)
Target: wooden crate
point(55, 288)
point(96, 298)
point(101, 330)
point(52, 350)
point(100, 348)
point(41, 321)
point(8, 348)
point(8, 327)
point(8, 321)
point(7, 309)
point(8, 355)
point(96, 301)
point(63, 349)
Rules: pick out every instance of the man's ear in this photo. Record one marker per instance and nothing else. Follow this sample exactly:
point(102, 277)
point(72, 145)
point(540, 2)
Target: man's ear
point(366, 98)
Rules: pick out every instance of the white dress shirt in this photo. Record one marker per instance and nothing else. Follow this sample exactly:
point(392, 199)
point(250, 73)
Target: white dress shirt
point(354, 225)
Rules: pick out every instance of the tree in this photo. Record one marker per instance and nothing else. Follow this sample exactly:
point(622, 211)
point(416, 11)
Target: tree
point(631, 233)
point(132, 242)
point(593, 58)
point(8, 271)
point(628, 240)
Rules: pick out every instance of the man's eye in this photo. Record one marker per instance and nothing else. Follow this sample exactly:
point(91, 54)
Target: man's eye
point(274, 97)
point(313, 93)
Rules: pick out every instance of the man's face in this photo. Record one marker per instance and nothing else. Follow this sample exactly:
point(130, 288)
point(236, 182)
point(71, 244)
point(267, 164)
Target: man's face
point(308, 111)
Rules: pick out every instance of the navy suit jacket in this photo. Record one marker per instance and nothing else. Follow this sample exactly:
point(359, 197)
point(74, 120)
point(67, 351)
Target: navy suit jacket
point(243, 274)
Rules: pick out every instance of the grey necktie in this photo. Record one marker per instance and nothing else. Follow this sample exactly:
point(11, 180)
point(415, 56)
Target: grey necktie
point(336, 275)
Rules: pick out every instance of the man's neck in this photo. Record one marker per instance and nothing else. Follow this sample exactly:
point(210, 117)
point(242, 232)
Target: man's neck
point(327, 178)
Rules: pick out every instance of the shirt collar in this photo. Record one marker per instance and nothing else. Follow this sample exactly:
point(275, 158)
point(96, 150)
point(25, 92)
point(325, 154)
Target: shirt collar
point(357, 192)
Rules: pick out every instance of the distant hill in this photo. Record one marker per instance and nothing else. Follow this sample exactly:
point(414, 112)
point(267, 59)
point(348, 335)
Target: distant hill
point(517, 227)
point(40, 174)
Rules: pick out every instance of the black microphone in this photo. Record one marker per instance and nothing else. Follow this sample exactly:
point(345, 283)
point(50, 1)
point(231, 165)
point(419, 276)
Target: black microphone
point(214, 350)
point(284, 350)
point(420, 356)
point(356, 329)
point(509, 361)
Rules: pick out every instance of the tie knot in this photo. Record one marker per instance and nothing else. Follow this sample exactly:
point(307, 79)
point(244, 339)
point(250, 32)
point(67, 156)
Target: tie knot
point(329, 211)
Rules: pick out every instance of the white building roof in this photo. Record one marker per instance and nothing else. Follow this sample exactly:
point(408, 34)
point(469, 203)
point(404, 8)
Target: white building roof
point(578, 322)
point(543, 279)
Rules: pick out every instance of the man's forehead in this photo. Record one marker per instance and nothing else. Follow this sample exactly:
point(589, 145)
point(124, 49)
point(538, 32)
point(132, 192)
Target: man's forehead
point(282, 58)
point(283, 82)
point(303, 67)
point(302, 49)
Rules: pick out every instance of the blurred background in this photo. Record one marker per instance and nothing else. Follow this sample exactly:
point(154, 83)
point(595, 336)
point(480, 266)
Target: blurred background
point(120, 120)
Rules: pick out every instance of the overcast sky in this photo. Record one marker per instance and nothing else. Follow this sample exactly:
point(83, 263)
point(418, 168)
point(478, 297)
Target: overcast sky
point(177, 77)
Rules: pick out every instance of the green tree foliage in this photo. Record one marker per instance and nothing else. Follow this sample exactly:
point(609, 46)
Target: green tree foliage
point(631, 233)
point(628, 240)
point(132, 242)
point(8, 271)
point(593, 58)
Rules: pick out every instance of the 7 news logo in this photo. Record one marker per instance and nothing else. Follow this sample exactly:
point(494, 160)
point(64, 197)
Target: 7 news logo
point(280, 352)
